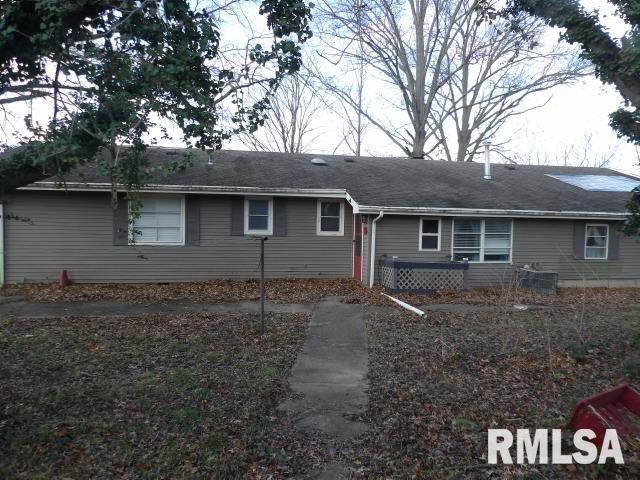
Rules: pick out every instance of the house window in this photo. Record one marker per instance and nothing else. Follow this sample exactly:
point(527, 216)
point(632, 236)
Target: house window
point(478, 240)
point(160, 222)
point(497, 240)
point(330, 218)
point(596, 241)
point(429, 234)
point(258, 216)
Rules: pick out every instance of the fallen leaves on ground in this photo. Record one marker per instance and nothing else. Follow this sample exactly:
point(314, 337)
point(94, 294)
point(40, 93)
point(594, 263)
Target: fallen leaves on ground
point(312, 290)
point(509, 295)
point(195, 395)
point(281, 290)
point(437, 385)
point(188, 396)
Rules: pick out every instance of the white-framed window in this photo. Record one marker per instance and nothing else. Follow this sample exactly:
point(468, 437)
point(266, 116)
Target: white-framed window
point(160, 221)
point(596, 241)
point(258, 216)
point(482, 240)
point(429, 236)
point(330, 217)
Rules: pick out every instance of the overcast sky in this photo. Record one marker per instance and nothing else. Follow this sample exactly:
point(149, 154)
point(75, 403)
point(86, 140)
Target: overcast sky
point(572, 115)
point(580, 110)
point(575, 118)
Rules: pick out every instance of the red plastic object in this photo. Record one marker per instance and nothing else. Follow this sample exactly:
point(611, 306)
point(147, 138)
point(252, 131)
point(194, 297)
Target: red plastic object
point(64, 278)
point(617, 408)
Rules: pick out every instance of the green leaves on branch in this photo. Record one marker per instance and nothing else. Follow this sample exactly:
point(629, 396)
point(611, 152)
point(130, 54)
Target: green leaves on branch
point(113, 71)
point(631, 225)
point(616, 62)
point(286, 18)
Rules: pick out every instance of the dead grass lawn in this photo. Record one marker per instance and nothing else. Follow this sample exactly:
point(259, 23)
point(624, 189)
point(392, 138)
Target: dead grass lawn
point(438, 384)
point(192, 396)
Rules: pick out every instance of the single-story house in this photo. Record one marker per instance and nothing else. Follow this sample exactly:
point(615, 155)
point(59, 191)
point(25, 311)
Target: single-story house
point(325, 216)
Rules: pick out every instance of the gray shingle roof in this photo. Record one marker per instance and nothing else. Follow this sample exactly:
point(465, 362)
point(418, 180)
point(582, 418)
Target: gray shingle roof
point(394, 182)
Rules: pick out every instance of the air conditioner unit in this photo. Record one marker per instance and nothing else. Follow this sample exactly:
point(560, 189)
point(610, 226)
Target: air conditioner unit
point(538, 280)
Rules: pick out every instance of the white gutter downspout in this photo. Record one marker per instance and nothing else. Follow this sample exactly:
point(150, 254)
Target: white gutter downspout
point(372, 254)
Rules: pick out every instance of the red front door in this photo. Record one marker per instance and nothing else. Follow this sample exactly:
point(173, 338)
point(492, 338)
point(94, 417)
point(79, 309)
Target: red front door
point(357, 247)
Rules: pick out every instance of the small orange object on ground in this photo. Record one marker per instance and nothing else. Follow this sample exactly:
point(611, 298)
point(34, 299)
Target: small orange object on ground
point(64, 278)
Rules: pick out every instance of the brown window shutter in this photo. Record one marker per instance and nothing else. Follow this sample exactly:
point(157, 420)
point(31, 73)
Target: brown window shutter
point(192, 220)
point(280, 217)
point(121, 223)
point(237, 216)
point(614, 241)
point(578, 240)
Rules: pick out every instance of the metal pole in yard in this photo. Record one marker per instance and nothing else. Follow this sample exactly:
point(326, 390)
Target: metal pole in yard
point(262, 240)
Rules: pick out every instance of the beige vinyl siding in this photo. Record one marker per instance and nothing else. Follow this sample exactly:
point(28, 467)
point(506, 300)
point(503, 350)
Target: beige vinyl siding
point(73, 231)
point(557, 238)
point(547, 244)
point(399, 236)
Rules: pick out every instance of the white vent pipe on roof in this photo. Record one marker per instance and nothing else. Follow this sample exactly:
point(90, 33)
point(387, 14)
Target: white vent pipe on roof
point(487, 160)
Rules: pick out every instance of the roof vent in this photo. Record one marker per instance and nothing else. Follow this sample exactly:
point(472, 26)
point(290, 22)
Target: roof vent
point(349, 160)
point(510, 167)
point(171, 152)
point(318, 161)
point(209, 159)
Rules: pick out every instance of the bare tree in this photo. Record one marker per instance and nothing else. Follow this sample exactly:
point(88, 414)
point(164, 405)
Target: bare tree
point(291, 125)
point(491, 69)
point(353, 124)
point(347, 74)
point(576, 154)
point(404, 43)
point(456, 78)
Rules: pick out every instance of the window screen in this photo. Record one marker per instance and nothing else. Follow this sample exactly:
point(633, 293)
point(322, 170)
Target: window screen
point(478, 240)
point(258, 216)
point(429, 234)
point(596, 241)
point(160, 221)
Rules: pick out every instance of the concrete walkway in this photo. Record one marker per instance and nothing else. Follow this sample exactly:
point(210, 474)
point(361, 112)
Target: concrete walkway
point(330, 376)
point(29, 309)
